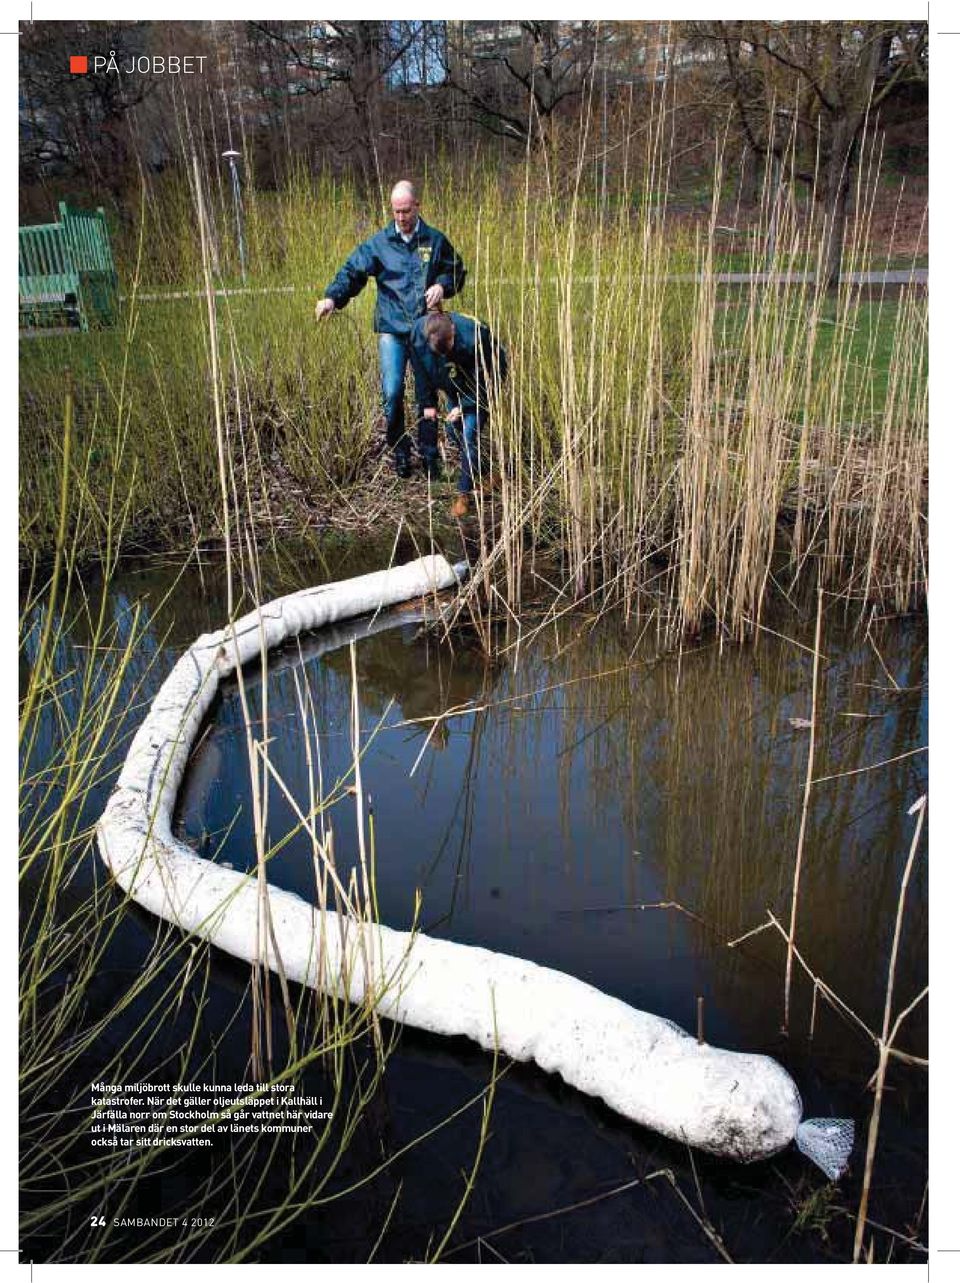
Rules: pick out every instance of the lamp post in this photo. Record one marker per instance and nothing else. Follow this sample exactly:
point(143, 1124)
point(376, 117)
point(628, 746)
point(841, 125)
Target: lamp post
point(232, 157)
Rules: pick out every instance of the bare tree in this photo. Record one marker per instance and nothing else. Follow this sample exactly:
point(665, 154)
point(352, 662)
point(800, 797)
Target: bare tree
point(504, 69)
point(350, 66)
point(810, 86)
point(75, 128)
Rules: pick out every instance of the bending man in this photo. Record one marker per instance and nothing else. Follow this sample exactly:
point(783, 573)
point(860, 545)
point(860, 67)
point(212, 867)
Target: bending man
point(460, 357)
point(415, 268)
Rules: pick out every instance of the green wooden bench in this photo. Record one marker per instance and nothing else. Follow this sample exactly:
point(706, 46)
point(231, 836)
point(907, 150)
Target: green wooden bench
point(67, 276)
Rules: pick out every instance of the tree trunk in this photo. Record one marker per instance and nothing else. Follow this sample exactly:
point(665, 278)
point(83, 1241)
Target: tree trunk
point(753, 171)
point(836, 192)
point(368, 72)
point(853, 103)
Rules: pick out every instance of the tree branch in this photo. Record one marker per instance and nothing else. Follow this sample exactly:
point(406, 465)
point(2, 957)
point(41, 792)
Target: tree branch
point(794, 66)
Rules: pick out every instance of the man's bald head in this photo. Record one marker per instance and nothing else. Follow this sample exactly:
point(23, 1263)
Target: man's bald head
point(405, 207)
point(405, 190)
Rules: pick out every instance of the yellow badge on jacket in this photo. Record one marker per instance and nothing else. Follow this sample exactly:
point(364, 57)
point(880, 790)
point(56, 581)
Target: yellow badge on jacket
point(425, 251)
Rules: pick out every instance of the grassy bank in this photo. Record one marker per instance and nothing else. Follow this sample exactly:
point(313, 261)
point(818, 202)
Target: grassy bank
point(659, 428)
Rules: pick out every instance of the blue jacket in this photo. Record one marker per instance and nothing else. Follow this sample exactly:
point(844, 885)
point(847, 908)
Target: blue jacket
point(465, 373)
point(403, 272)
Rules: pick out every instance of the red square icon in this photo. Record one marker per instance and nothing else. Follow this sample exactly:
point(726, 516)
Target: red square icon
point(78, 64)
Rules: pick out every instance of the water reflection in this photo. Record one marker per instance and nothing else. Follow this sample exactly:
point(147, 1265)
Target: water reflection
point(586, 780)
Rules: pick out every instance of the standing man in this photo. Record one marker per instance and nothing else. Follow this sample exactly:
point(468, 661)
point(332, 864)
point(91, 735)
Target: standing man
point(460, 357)
point(415, 268)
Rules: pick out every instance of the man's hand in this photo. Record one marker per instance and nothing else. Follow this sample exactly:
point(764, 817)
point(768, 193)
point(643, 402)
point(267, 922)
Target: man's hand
point(324, 307)
point(433, 297)
point(454, 414)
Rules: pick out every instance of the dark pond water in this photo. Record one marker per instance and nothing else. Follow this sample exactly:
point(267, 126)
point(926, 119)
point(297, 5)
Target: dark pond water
point(587, 777)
